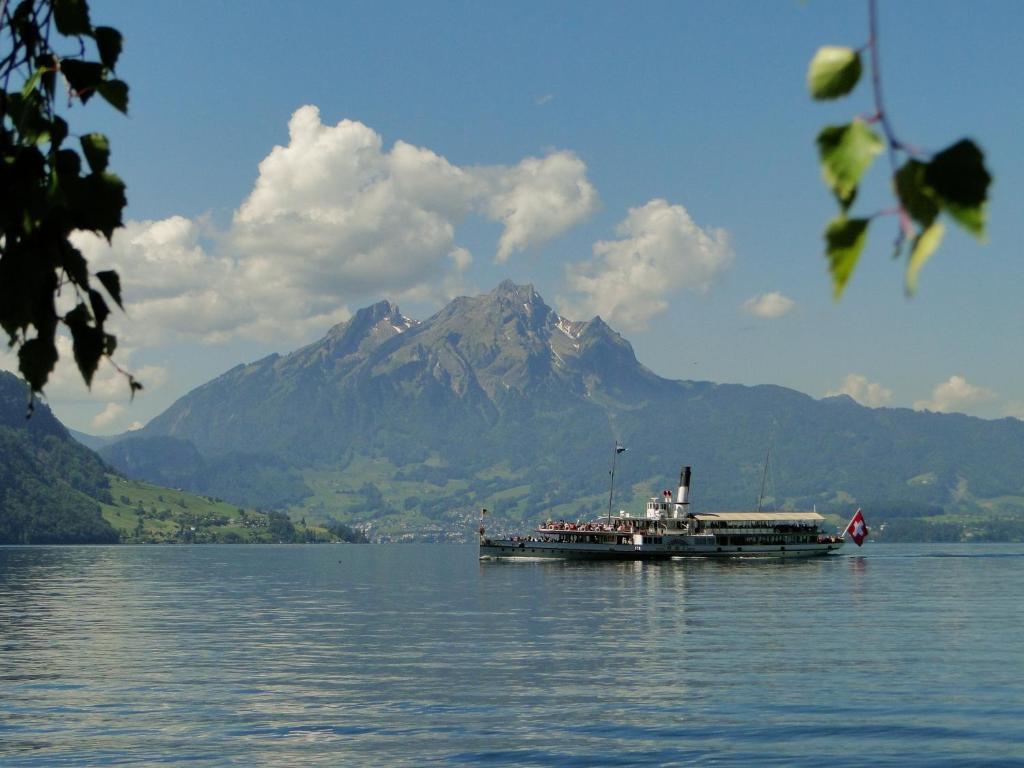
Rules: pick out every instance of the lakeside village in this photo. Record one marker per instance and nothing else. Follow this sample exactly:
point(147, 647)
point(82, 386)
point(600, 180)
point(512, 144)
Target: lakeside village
point(167, 517)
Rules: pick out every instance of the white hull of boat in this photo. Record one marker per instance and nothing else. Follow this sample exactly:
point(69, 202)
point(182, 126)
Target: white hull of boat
point(533, 550)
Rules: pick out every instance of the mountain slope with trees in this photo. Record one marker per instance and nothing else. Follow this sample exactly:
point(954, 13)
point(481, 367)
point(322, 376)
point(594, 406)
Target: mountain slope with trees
point(498, 401)
point(51, 487)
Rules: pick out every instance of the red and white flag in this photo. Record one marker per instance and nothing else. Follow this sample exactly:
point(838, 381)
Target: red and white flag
point(858, 528)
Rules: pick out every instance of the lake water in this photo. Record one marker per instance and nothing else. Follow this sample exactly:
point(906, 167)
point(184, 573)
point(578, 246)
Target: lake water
point(421, 655)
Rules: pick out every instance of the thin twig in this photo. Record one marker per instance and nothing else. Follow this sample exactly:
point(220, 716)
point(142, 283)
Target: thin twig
point(876, 84)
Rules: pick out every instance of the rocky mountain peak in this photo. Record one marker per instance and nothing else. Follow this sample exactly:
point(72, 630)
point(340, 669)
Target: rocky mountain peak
point(371, 316)
point(370, 325)
point(508, 289)
point(521, 301)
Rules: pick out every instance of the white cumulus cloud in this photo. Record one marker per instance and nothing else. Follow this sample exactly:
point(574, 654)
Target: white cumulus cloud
point(109, 415)
point(171, 285)
point(956, 394)
point(869, 393)
point(661, 252)
point(539, 199)
point(769, 305)
point(333, 218)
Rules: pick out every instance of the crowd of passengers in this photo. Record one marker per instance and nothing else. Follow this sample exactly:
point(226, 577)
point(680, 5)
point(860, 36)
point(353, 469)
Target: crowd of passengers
point(562, 525)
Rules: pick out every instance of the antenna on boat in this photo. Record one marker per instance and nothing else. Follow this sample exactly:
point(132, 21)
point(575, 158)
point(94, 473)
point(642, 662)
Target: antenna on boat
point(764, 478)
point(615, 455)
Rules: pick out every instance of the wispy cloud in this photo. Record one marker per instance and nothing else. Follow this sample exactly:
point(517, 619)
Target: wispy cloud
point(1014, 408)
point(769, 305)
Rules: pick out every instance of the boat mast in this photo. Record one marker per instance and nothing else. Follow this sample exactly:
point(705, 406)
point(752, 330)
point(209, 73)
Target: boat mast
point(764, 477)
point(615, 455)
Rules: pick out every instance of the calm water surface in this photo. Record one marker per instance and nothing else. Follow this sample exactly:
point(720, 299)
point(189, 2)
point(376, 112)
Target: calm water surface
point(420, 655)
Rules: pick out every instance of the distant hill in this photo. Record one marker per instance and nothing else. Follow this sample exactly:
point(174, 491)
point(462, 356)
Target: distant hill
point(51, 487)
point(498, 401)
point(144, 513)
point(247, 478)
point(95, 442)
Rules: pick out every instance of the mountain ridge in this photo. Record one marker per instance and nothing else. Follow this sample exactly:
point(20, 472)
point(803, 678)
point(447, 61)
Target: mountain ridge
point(498, 392)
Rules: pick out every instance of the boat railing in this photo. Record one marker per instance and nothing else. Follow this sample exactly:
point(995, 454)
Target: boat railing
point(560, 526)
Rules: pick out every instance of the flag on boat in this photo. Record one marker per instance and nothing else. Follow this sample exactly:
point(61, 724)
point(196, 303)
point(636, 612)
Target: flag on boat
point(858, 528)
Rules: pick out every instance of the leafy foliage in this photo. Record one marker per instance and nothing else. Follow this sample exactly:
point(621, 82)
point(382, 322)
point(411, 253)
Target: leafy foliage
point(47, 191)
point(953, 181)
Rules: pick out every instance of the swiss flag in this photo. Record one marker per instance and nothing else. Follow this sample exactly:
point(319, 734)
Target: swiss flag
point(858, 528)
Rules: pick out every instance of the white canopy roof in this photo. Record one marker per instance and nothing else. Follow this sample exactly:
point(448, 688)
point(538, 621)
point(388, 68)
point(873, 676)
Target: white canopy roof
point(773, 517)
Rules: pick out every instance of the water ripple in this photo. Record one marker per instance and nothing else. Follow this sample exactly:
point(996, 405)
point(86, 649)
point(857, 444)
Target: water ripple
point(413, 655)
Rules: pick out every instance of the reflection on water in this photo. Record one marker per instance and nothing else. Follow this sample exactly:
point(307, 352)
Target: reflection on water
point(409, 655)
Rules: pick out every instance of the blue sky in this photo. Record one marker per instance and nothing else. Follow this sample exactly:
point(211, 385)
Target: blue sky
point(652, 163)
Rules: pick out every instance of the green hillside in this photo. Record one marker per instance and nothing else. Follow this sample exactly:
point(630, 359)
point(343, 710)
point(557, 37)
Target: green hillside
point(143, 513)
point(54, 490)
point(51, 488)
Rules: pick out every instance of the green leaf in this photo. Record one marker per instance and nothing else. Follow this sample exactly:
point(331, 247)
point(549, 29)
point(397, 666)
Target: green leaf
point(31, 83)
point(846, 151)
point(917, 197)
point(87, 342)
point(49, 78)
point(833, 72)
point(29, 119)
point(100, 310)
point(73, 263)
point(77, 316)
point(844, 240)
point(68, 163)
point(97, 151)
point(97, 201)
point(108, 41)
point(109, 344)
point(84, 77)
point(924, 246)
point(111, 281)
point(25, 23)
point(36, 360)
point(960, 179)
point(58, 132)
point(72, 17)
point(972, 219)
point(116, 94)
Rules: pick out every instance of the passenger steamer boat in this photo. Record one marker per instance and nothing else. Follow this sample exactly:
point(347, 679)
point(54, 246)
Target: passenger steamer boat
point(667, 529)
